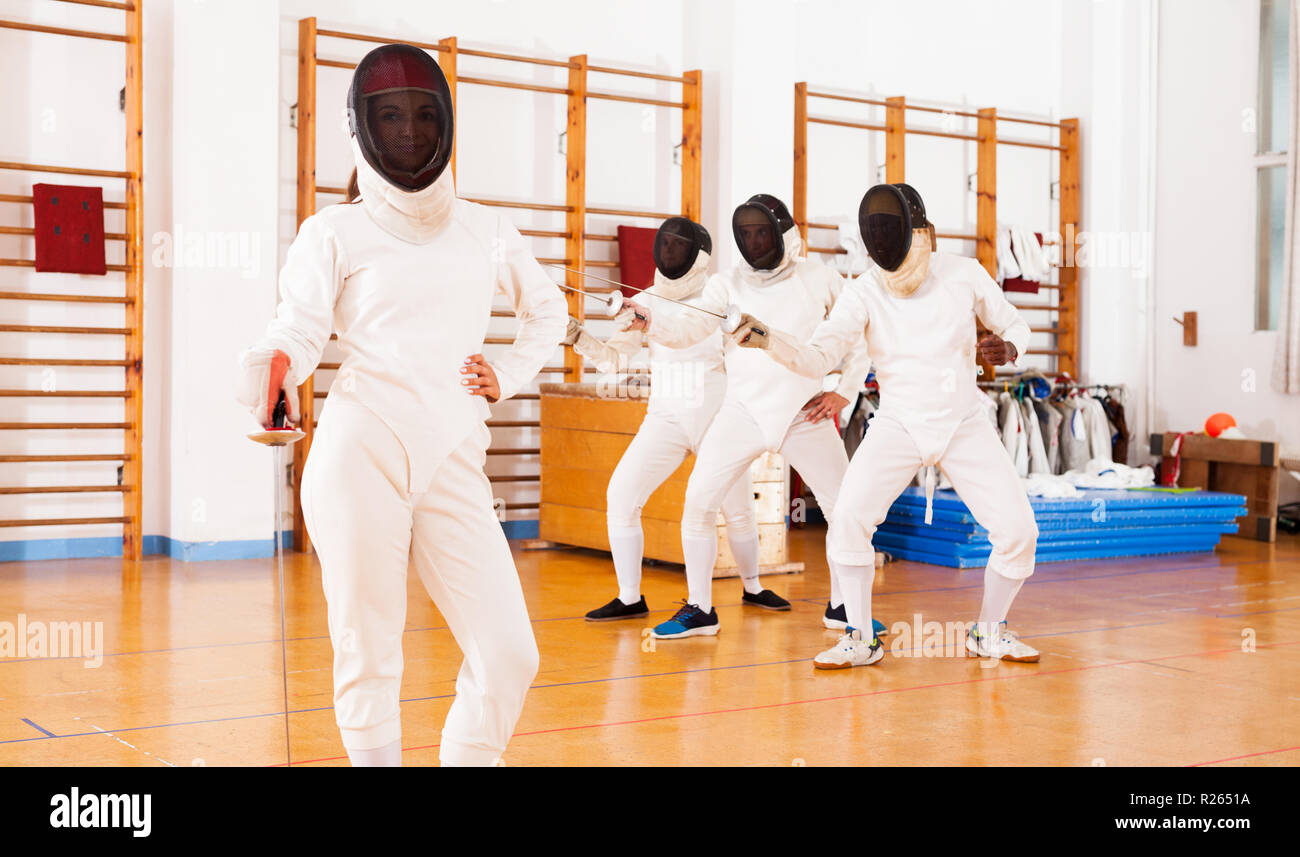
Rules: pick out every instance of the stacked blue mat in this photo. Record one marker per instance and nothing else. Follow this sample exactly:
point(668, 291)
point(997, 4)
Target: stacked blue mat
point(1093, 525)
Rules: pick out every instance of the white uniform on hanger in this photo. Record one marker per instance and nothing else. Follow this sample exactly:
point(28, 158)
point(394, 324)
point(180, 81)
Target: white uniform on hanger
point(931, 413)
point(395, 472)
point(761, 409)
point(687, 385)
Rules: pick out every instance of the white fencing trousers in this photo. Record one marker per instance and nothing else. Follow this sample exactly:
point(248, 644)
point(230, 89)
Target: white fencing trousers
point(367, 527)
point(730, 445)
point(658, 449)
point(981, 473)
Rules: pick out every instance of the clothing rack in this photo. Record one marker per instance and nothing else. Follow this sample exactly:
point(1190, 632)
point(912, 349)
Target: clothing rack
point(1065, 331)
point(1058, 381)
point(128, 325)
point(576, 209)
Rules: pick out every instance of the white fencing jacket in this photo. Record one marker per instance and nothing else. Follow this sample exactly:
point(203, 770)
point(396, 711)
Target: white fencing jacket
point(922, 346)
point(686, 384)
point(795, 297)
point(407, 281)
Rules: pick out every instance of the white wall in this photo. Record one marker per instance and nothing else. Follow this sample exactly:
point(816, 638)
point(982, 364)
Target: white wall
point(1205, 227)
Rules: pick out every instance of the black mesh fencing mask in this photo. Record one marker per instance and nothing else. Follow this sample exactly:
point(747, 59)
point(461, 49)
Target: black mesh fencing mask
point(399, 109)
point(759, 225)
point(886, 218)
point(678, 244)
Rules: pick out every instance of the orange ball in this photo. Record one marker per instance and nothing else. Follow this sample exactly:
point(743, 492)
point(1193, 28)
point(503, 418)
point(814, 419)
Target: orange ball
point(1215, 425)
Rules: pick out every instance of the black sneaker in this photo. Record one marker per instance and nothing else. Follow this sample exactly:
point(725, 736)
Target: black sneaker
point(689, 621)
point(835, 619)
point(767, 599)
point(616, 609)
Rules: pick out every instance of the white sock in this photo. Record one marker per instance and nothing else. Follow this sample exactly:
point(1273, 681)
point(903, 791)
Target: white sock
point(837, 597)
point(701, 553)
point(856, 582)
point(744, 548)
point(999, 592)
point(388, 756)
point(627, 545)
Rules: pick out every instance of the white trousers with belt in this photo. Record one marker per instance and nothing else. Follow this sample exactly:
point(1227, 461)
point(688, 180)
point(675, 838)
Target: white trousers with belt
point(368, 528)
point(981, 472)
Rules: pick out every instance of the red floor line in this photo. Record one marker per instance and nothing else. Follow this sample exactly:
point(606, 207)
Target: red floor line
point(1244, 756)
point(792, 702)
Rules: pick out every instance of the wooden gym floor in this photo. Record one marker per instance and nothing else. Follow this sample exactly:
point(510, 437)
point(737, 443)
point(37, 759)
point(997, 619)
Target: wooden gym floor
point(1143, 664)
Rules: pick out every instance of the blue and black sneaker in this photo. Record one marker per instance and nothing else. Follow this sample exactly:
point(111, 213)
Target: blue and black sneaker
point(835, 619)
point(689, 621)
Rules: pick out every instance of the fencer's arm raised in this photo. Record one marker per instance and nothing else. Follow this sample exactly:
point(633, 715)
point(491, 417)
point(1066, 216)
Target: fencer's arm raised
point(996, 312)
point(614, 353)
point(310, 281)
point(538, 305)
point(688, 328)
point(834, 338)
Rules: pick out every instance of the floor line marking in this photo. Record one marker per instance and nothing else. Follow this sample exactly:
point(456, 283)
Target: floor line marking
point(38, 728)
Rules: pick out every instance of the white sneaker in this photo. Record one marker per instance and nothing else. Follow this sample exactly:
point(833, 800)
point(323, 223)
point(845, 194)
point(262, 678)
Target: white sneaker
point(1006, 646)
point(851, 650)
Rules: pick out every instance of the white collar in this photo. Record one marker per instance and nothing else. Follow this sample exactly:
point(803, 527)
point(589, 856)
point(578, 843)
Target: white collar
point(688, 285)
point(414, 216)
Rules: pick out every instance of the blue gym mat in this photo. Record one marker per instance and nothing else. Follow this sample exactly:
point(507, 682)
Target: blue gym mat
point(1049, 535)
point(963, 521)
point(1100, 553)
point(1095, 524)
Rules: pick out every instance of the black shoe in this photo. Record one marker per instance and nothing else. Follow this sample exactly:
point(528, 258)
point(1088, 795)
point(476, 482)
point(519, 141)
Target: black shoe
point(767, 599)
point(835, 619)
point(616, 609)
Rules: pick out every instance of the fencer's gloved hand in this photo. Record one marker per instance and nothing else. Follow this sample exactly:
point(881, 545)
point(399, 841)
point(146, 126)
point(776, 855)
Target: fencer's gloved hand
point(751, 333)
point(574, 330)
point(263, 379)
point(633, 316)
point(996, 351)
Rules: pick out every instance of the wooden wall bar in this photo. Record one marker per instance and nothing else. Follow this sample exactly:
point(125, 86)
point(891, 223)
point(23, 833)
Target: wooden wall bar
point(306, 208)
point(132, 299)
point(987, 139)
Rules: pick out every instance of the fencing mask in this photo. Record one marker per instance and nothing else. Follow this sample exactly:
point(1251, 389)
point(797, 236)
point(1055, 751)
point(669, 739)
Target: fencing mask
point(399, 110)
point(897, 235)
point(759, 224)
point(678, 243)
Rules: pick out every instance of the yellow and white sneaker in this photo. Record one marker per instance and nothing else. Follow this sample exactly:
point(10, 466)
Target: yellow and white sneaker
point(1004, 646)
point(851, 650)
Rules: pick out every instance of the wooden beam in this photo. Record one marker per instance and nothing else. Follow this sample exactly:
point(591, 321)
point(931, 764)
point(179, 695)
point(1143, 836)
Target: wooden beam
point(306, 208)
point(692, 135)
point(895, 139)
point(986, 206)
point(800, 200)
point(1068, 274)
point(575, 189)
point(133, 407)
point(447, 61)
